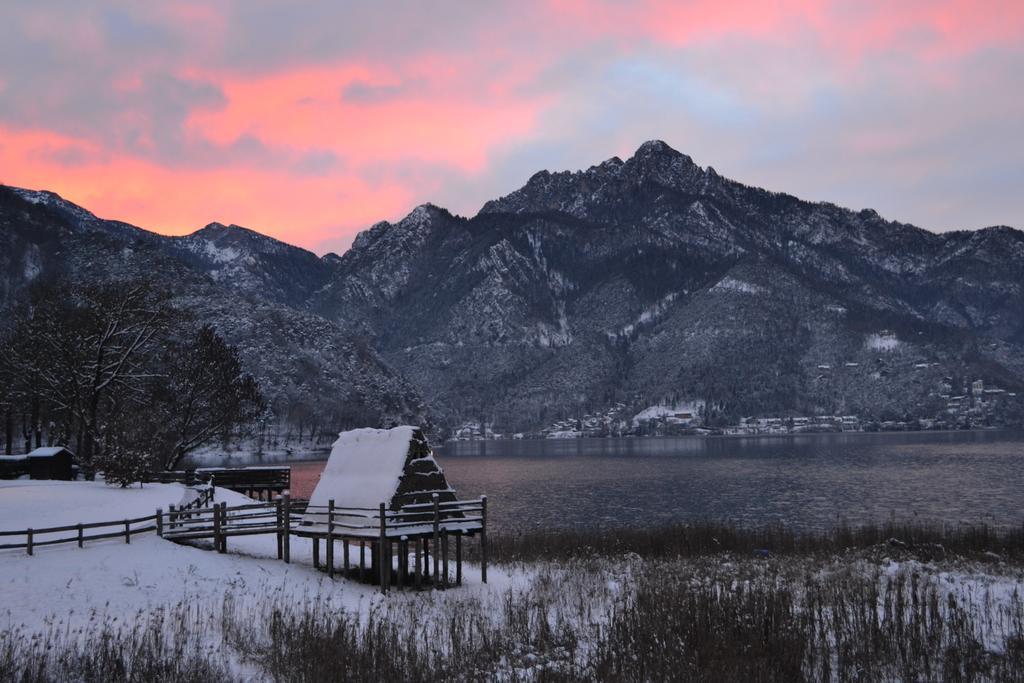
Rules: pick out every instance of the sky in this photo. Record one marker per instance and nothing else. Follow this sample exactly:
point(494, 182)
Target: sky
point(311, 121)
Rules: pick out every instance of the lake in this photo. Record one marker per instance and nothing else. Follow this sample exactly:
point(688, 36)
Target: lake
point(804, 481)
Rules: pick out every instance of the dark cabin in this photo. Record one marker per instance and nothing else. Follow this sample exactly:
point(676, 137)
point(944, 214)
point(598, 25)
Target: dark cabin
point(51, 462)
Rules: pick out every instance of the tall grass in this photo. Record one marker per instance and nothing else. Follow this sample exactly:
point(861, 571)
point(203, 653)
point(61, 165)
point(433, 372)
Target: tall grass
point(694, 603)
point(922, 539)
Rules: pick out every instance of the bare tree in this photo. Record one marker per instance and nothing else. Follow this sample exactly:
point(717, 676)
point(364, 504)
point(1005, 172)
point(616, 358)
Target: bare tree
point(87, 353)
point(206, 393)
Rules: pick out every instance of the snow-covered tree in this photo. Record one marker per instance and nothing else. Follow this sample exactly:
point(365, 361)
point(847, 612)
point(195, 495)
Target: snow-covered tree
point(205, 394)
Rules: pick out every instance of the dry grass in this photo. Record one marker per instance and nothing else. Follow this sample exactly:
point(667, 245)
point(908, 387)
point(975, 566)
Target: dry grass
point(695, 603)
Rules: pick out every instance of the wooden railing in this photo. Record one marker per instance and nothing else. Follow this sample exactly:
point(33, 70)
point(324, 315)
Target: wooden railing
point(125, 530)
point(427, 526)
point(248, 480)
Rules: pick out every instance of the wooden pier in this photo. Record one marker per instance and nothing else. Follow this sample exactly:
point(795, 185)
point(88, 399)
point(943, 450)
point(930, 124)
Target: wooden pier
point(416, 546)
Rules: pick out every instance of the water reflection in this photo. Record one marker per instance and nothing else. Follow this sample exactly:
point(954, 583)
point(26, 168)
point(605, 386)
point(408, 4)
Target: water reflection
point(806, 481)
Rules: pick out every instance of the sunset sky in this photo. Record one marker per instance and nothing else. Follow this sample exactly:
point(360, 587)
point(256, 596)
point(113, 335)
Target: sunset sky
point(309, 121)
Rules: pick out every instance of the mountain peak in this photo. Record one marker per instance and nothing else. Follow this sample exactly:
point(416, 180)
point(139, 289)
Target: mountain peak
point(611, 182)
point(654, 147)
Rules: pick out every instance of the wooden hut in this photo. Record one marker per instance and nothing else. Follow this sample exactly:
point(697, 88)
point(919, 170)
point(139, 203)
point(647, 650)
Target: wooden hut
point(383, 489)
point(49, 462)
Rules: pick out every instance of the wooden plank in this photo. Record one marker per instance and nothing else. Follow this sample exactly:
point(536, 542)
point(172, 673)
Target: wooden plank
point(419, 569)
point(437, 531)
point(287, 528)
point(330, 538)
point(458, 559)
point(280, 549)
point(380, 552)
point(483, 540)
point(444, 555)
point(403, 561)
point(216, 528)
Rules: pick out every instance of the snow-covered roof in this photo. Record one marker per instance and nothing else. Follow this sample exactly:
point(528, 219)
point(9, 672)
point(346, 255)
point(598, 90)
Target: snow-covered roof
point(368, 467)
point(364, 468)
point(47, 451)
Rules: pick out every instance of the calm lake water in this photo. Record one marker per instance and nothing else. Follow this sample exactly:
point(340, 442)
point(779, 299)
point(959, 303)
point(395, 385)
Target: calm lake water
point(805, 481)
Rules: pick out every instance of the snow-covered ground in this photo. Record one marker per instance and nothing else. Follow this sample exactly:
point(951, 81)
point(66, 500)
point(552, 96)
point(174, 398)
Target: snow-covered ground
point(66, 587)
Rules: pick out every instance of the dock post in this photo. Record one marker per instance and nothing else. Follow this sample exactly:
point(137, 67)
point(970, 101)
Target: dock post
point(458, 559)
point(385, 566)
point(330, 538)
point(160, 522)
point(483, 538)
point(287, 528)
point(280, 544)
point(444, 555)
point(403, 560)
point(416, 548)
point(437, 533)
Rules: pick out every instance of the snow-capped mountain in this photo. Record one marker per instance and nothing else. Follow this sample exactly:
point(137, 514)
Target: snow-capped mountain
point(641, 280)
point(626, 284)
point(312, 372)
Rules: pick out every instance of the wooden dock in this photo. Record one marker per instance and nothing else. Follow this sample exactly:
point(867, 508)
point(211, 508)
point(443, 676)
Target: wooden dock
point(414, 547)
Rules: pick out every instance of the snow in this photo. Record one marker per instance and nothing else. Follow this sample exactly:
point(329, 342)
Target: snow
point(731, 284)
point(364, 468)
point(63, 588)
point(882, 341)
point(43, 503)
point(46, 451)
point(660, 411)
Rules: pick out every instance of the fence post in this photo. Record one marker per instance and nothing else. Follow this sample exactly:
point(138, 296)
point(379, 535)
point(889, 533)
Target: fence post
point(127, 532)
point(223, 523)
point(330, 538)
point(277, 509)
point(483, 538)
point(385, 572)
point(216, 528)
point(81, 538)
point(160, 522)
point(437, 533)
point(444, 553)
point(287, 528)
point(28, 541)
point(170, 517)
point(344, 548)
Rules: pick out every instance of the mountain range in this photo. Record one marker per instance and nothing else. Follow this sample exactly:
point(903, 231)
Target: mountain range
point(629, 284)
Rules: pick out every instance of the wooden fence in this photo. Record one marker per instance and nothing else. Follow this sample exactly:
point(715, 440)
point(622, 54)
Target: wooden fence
point(421, 532)
point(35, 538)
point(255, 482)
